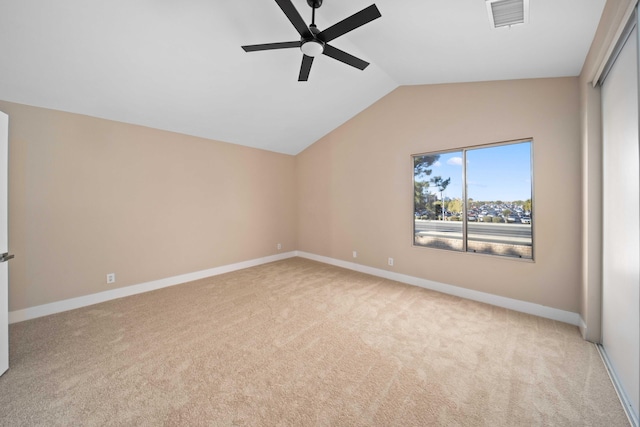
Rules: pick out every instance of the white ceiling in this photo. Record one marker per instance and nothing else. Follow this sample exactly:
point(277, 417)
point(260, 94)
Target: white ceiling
point(177, 65)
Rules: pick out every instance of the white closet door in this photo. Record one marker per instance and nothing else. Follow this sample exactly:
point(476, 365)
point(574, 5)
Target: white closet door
point(4, 269)
point(621, 237)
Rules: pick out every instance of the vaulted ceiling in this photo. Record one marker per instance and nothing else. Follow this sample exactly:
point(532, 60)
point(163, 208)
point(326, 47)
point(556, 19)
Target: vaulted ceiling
point(178, 65)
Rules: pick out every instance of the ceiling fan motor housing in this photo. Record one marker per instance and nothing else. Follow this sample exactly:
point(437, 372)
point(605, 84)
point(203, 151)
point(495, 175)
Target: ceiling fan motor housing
point(314, 3)
point(312, 46)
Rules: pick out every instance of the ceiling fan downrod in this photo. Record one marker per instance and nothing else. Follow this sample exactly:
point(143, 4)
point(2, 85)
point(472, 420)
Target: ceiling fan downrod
point(312, 46)
point(314, 4)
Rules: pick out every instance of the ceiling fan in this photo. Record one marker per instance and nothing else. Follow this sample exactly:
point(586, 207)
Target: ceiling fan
point(314, 42)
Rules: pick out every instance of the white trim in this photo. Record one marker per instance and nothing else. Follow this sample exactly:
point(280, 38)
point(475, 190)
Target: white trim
point(614, 41)
point(83, 301)
point(510, 303)
point(583, 328)
point(624, 399)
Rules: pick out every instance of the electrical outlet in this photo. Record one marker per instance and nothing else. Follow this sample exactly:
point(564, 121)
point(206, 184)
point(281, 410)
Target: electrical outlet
point(111, 278)
point(355, 254)
point(390, 261)
point(279, 246)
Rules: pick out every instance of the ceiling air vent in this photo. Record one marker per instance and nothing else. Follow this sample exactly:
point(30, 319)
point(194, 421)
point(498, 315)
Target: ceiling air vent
point(505, 13)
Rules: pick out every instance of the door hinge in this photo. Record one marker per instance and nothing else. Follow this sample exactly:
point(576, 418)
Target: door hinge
point(6, 257)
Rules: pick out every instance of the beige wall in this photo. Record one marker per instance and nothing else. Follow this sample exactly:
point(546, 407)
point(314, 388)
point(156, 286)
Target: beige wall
point(355, 185)
point(89, 197)
point(591, 145)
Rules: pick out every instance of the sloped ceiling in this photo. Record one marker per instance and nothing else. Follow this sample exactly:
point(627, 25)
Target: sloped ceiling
point(178, 65)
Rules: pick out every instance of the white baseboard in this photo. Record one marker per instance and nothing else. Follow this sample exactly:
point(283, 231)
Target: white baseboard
point(83, 301)
point(622, 395)
point(583, 328)
point(510, 303)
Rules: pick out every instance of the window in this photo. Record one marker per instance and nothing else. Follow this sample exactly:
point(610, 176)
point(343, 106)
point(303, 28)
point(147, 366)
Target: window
point(475, 199)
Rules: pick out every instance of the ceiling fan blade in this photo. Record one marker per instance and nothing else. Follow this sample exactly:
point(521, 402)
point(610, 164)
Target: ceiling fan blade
point(270, 46)
point(294, 16)
point(345, 57)
point(307, 61)
point(356, 20)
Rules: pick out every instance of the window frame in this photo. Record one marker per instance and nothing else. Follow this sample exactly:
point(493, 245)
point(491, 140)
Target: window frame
point(463, 151)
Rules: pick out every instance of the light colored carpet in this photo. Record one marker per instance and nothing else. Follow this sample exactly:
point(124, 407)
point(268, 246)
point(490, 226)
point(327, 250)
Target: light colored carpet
point(299, 343)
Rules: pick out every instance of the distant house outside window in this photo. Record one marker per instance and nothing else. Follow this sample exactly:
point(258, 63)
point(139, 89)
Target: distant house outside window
point(476, 199)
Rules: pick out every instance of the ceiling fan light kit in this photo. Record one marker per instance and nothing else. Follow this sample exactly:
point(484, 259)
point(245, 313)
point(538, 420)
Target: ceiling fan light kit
point(314, 42)
point(312, 48)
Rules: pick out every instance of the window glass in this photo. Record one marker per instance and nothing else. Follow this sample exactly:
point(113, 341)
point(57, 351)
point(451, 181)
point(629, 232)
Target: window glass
point(476, 199)
point(438, 206)
point(499, 200)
